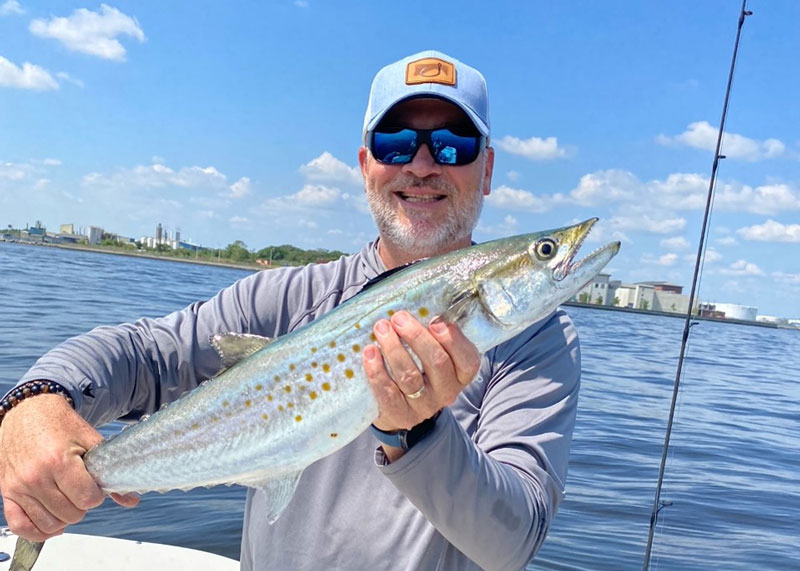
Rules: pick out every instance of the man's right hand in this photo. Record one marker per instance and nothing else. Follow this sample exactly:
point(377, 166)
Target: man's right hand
point(43, 480)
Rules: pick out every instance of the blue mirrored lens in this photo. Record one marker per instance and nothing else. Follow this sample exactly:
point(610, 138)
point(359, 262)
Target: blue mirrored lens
point(394, 148)
point(451, 149)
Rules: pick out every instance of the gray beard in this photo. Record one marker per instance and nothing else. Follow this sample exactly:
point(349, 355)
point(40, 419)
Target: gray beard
point(421, 237)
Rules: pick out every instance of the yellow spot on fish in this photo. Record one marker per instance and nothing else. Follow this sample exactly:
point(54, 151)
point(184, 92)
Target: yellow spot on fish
point(309, 377)
point(326, 386)
point(248, 402)
point(259, 387)
point(326, 367)
point(348, 373)
point(225, 404)
point(340, 357)
point(332, 344)
point(372, 337)
point(313, 349)
point(301, 388)
point(277, 378)
point(390, 312)
point(298, 418)
point(287, 388)
point(334, 434)
point(264, 416)
point(357, 326)
point(214, 419)
point(280, 407)
point(356, 348)
point(195, 426)
point(269, 398)
point(291, 367)
point(290, 405)
point(314, 364)
point(423, 311)
point(178, 433)
point(313, 395)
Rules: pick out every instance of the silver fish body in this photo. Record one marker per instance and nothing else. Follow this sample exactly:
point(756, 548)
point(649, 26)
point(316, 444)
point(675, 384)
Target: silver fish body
point(304, 395)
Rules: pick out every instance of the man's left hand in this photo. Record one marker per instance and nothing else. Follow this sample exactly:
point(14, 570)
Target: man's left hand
point(408, 395)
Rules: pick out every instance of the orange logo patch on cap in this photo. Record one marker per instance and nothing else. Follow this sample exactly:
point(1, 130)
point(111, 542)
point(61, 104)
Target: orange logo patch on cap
point(430, 70)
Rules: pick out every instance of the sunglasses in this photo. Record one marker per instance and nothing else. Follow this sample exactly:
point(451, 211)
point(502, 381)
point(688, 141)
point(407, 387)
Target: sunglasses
point(399, 146)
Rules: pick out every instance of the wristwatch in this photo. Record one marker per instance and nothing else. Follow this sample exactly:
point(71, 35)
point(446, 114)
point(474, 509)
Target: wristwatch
point(405, 439)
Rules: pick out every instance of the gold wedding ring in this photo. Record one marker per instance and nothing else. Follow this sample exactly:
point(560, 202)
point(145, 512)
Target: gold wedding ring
point(417, 394)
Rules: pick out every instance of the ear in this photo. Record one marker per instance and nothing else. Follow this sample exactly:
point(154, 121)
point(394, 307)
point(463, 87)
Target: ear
point(362, 161)
point(488, 169)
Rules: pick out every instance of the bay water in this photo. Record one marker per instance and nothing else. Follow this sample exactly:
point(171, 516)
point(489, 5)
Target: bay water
point(732, 484)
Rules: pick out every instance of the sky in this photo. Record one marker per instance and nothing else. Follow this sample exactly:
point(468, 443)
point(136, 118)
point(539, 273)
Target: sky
point(242, 121)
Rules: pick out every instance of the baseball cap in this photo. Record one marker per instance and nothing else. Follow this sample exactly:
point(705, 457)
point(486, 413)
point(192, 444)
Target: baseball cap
point(429, 74)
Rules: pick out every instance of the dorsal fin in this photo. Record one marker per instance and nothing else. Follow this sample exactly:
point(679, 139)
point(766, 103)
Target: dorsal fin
point(234, 347)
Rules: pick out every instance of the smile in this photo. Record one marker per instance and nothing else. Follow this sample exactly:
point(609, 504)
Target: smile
point(420, 198)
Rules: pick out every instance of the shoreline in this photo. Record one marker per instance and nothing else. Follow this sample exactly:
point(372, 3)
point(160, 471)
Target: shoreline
point(137, 254)
point(256, 268)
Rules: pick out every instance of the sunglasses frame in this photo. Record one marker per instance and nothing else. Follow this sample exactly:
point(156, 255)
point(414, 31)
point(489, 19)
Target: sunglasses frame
point(424, 138)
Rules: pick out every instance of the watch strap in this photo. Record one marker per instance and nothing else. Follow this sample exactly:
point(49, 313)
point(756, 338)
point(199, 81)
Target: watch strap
point(405, 439)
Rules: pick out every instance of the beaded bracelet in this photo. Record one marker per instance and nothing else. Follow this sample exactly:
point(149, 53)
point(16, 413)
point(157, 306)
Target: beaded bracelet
point(29, 389)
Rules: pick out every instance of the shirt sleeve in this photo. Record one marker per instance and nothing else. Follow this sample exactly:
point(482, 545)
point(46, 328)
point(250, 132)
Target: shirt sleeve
point(493, 493)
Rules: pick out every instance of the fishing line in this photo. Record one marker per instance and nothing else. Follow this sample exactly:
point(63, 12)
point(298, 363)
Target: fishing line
point(657, 504)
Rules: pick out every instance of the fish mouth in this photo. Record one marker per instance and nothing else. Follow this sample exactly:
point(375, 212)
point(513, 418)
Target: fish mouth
point(590, 264)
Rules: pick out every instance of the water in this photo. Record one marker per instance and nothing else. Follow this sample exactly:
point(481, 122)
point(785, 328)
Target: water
point(732, 475)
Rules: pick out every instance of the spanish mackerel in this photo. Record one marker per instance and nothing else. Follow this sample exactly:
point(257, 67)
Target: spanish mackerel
point(279, 405)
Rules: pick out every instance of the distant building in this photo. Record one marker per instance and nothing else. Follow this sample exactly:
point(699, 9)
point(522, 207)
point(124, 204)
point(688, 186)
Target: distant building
point(94, 234)
point(636, 296)
point(735, 311)
point(598, 288)
point(67, 229)
point(664, 286)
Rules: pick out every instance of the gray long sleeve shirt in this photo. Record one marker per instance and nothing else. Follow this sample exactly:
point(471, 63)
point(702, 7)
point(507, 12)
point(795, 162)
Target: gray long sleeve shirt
point(480, 491)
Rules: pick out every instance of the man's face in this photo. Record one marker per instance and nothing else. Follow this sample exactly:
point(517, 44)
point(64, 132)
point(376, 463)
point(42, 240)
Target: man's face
point(423, 208)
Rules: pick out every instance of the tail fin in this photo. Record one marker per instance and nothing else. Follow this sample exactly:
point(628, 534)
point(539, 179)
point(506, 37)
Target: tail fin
point(25, 554)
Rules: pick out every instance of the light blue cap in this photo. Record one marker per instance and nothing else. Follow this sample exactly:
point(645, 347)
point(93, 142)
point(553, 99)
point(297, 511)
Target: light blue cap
point(429, 73)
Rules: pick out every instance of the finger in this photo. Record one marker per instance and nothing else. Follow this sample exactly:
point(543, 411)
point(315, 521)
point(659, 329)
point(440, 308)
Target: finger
point(41, 519)
point(126, 500)
point(402, 367)
point(465, 356)
point(394, 411)
point(436, 361)
point(20, 524)
point(78, 486)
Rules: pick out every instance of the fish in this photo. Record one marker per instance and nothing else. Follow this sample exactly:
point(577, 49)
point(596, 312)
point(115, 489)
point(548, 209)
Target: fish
point(279, 405)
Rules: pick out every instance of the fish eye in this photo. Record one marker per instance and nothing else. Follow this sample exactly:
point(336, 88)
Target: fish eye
point(545, 248)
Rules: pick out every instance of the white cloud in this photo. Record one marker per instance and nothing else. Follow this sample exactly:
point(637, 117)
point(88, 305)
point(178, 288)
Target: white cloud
point(241, 187)
point(513, 176)
point(771, 231)
point(675, 243)
point(535, 148)
point(701, 135)
point(508, 227)
point(327, 168)
point(238, 220)
point(29, 76)
point(11, 7)
point(727, 241)
point(711, 256)
point(310, 196)
point(52, 162)
point(301, 3)
point(742, 268)
point(93, 33)
point(765, 199)
point(644, 222)
point(64, 76)
point(512, 198)
point(605, 186)
point(668, 259)
point(158, 175)
point(792, 279)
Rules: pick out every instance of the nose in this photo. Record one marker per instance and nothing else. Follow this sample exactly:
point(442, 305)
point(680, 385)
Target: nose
point(422, 164)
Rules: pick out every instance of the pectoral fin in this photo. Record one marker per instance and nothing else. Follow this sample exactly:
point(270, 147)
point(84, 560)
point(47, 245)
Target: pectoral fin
point(277, 492)
point(235, 347)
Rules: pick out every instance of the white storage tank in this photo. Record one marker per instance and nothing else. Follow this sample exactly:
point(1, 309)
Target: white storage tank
point(735, 311)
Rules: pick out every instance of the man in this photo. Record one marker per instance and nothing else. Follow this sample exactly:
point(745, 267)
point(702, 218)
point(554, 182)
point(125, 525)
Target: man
point(477, 478)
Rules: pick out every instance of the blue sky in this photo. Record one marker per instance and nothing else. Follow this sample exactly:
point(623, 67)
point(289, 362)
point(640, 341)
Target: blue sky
point(242, 121)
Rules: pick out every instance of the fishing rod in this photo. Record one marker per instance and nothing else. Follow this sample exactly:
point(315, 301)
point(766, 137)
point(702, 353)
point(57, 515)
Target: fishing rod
point(657, 505)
